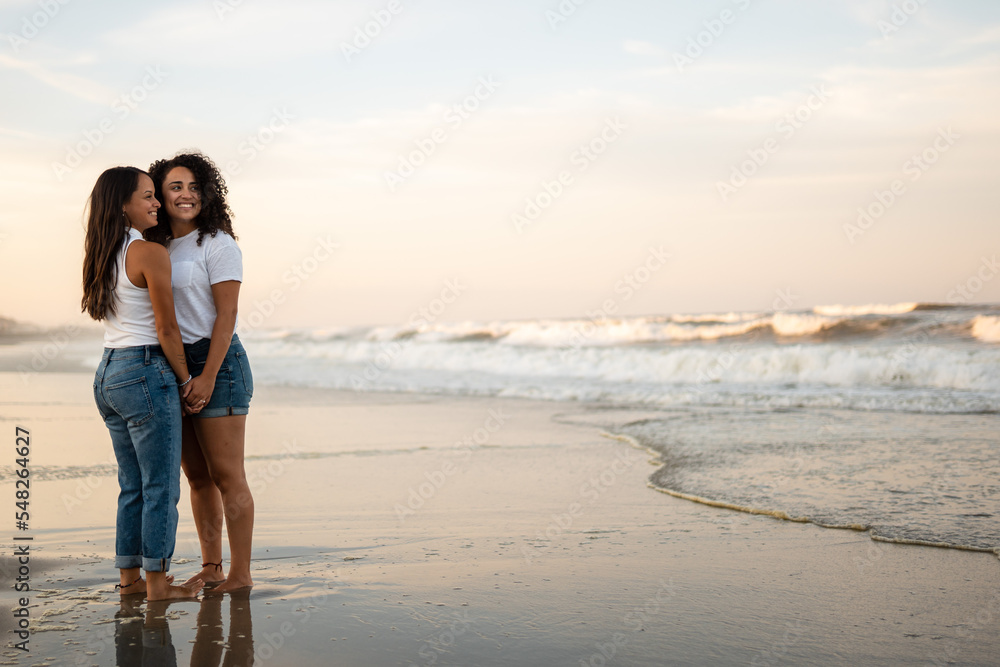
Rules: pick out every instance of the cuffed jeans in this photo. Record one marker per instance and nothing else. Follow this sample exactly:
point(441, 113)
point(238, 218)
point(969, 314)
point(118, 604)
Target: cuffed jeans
point(136, 393)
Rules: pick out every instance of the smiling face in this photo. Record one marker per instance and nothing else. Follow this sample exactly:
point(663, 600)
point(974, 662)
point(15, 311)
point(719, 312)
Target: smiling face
point(181, 196)
point(140, 209)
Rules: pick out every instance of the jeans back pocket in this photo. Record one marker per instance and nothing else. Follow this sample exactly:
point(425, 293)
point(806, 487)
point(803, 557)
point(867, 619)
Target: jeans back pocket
point(131, 400)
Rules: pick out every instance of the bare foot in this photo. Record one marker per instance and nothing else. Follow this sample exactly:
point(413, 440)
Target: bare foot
point(139, 586)
point(210, 574)
point(232, 583)
point(177, 592)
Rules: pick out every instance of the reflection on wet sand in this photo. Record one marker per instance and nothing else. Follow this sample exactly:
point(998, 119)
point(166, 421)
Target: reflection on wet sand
point(142, 634)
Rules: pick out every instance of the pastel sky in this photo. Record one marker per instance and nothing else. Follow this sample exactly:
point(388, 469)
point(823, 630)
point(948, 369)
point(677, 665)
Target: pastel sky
point(739, 137)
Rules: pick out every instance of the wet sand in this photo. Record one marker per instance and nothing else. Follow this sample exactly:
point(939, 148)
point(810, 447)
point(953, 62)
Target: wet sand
point(420, 530)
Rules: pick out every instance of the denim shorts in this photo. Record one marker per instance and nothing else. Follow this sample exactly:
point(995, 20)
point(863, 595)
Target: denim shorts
point(136, 394)
point(233, 384)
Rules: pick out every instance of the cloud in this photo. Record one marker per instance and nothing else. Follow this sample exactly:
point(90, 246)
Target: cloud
point(248, 33)
point(641, 48)
point(78, 86)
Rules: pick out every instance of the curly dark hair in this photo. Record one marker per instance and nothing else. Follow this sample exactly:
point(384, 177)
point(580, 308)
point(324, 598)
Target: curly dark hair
point(215, 215)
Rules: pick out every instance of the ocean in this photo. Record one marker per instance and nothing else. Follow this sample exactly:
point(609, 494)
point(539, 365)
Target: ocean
point(883, 418)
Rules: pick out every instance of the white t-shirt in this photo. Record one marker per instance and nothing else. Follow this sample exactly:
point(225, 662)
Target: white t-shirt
point(194, 269)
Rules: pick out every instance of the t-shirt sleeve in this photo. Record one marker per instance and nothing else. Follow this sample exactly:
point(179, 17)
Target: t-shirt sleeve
point(224, 260)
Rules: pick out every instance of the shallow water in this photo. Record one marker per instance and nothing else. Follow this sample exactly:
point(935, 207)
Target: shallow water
point(931, 479)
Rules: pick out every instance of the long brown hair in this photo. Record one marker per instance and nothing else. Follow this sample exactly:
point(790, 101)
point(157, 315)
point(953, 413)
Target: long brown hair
point(107, 231)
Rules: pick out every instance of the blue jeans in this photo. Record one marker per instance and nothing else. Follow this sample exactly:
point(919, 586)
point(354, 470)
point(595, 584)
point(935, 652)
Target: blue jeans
point(136, 393)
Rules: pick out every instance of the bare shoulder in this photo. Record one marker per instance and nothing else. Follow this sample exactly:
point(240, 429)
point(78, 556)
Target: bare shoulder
point(149, 251)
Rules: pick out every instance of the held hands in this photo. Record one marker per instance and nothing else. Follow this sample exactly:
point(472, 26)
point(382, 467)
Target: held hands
point(196, 394)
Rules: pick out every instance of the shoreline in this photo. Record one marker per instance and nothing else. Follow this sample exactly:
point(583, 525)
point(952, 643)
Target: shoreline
point(656, 459)
point(542, 543)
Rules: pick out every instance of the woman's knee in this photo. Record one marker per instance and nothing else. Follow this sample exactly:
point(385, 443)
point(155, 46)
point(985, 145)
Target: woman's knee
point(198, 478)
point(230, 481)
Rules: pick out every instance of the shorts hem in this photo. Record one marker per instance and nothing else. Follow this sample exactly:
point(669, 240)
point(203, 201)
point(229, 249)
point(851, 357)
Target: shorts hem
point(221, 412)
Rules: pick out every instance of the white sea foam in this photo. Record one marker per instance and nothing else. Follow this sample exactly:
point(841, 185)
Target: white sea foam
point(792, 324)
point(939, 359)
point(867, 309)
point(718, 317)
point(938, 378)
point(986, 328)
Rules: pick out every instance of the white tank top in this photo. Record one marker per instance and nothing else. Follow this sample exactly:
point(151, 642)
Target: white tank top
point(133, 322)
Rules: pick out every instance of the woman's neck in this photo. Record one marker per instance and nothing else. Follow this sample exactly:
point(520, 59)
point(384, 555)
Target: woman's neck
point(179, 228)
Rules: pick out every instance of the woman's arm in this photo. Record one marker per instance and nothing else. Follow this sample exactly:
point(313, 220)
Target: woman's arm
point(153, 263)
point(226, 295)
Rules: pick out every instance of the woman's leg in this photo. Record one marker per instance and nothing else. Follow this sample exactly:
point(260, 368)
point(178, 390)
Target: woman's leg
point(222, 443)
point(144, 395)
point(132, 581)
point(159, 527)
point(206, 505)
point(128, 522)
point(128, 525)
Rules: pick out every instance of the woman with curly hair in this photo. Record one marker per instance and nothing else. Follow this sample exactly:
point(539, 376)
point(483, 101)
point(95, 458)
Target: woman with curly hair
point(195, 226)
point(126, 284)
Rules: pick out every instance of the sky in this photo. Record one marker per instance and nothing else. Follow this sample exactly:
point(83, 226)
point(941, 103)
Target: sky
point(520, 159)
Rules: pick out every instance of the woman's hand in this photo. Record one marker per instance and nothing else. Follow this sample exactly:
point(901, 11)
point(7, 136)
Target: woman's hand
point(184, 391)
point(200, 393)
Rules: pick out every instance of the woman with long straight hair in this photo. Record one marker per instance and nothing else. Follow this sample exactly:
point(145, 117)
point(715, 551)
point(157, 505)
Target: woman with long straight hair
point(196, 227)
point(126, 284)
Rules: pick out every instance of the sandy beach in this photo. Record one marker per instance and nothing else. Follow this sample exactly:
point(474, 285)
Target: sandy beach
point(429, 530)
